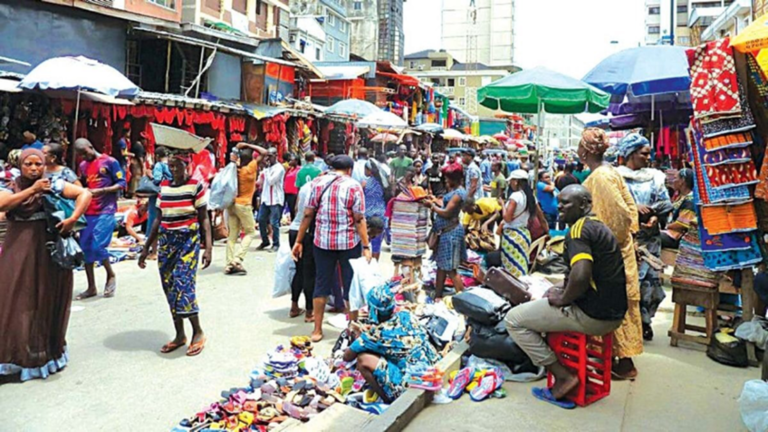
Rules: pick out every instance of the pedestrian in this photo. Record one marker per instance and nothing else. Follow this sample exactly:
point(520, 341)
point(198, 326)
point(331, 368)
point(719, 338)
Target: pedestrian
point(54, 165)
point(473, 179)
point(513, 163)
point(272, 201)
point(407, 181)
point(289, 186)
point(567, 178)
point(102, 175)
point(435, 183)
point(160, 172)
point(123, 146)
point(376, 199)
point(136, 165)
point(30, 141)
point(337, 204)
point(683, 210)
point(180, 228)
point(485, 169)
point(358, 172)
point(304, 279)
point(451, 249)
point(582, 172)
point(613, 204)
point(481, 214)
point(400, 163)
point(498, 186)
point(545, 193)
point(419, 179)
point(36, 293)
point(240, 213)
point(515, 236)
point(308, 171)
point(384, 168)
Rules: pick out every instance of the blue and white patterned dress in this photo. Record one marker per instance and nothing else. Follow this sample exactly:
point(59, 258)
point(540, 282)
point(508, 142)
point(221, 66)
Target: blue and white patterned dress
point(451, 249)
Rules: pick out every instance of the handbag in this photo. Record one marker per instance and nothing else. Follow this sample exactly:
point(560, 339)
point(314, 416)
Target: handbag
point(147, 187)
point(220, 230)
point(538, 226)
point(507, 286)
point(433, 238)
point(57, 209)
point(66, 253)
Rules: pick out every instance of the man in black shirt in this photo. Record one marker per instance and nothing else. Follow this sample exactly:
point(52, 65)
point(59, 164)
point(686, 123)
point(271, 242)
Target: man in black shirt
point(435, 177)
point(594, 300)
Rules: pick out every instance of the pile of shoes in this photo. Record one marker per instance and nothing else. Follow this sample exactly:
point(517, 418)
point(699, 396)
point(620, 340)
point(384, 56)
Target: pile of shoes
point(479, 383)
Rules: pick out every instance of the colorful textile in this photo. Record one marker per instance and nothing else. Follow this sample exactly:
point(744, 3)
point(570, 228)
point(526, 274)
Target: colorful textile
point(727, 156)
point(374, 198)
point(734, 260)
point(96, 236)
point(725, 242)
point(704, 193)
point(647, 186)
point(335, 211)
point(179, 204)
point(758, 77)
point(726, 176)
point(451, 249)
point(408, 228)
point(683, 216)
point(515, 243)
point(632, 143)
point(472, 172)
point(690, 271)
point(729, 218)
point(177, 256)
point(740, 123)
point(102, 172)
point(714, 83)
point(730, 141)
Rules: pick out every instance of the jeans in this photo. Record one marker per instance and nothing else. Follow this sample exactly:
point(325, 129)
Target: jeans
point(240, 218)
point(270, 214)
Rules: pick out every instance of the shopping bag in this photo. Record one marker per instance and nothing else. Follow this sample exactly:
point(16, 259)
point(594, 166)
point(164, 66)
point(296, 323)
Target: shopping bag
point(57, 209)
point(66, 253)
point(285, 269)
point(220, 230)
point(223, 188)
point(147, 188)
point(753, 405)
point(366, 277)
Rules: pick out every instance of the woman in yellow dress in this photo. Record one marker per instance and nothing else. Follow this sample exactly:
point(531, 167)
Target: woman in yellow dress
point(613, 204)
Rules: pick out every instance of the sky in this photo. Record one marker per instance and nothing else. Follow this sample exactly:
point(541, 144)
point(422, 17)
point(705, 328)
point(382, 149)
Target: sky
point(572, 41)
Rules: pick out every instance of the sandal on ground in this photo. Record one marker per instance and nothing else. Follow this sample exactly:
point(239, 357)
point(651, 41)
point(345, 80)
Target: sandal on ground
point(488, 384)
point(110, 288)
point(295, 313)
point(239, 270)
point(543, 393)
point(196, 347)
point(317, 337)
point(85, 295)
point(172, 346)
point(460, 382)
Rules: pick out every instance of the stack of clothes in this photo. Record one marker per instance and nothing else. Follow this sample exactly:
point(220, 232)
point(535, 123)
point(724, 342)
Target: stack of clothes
point(409, 228)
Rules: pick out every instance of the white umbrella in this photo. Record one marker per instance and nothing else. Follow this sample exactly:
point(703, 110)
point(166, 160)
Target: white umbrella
point(453, 135)
point(382, 120)
point(385, 138)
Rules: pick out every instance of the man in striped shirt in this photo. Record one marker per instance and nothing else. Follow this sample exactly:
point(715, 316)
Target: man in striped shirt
point(337, 207)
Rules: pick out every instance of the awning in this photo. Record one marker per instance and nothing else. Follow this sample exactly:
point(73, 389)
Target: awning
point(333, 73)
point(402, 79)
point(260, 112)
point(9, 86)
point(86, 95)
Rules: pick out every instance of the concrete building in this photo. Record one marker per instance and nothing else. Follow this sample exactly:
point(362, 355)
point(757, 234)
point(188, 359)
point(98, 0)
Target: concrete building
point(253, 18)
point(363, 16)
point(332, 18)
point(307, 36)
point(733, 19)
point(428, 60)
point(391, 35)
point(563, 131)
point(479, 31)
point(680, 22)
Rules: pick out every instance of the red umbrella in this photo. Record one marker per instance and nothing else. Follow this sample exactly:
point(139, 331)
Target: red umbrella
point(501, 137)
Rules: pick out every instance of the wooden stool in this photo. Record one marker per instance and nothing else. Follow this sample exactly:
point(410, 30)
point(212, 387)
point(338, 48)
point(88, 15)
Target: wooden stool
point(708, 298)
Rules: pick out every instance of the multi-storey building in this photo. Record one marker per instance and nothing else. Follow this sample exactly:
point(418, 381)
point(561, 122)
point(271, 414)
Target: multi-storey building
point(377, 29)
point(733, 19)
point(479, 31)
point(332, 17)
point(680, 22)
point(391, 35)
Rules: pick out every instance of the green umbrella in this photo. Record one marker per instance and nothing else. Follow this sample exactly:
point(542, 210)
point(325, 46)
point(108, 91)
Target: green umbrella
point(540, 89)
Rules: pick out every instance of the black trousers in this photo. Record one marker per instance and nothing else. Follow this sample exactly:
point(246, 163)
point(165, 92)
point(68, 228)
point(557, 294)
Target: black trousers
point(290, 201)
point(304, 280)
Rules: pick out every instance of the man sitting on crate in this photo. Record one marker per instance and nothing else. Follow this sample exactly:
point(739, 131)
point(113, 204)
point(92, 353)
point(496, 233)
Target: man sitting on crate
point(593, 301)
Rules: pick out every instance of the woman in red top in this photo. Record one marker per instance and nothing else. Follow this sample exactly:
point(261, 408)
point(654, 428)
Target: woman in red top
point(291, 191)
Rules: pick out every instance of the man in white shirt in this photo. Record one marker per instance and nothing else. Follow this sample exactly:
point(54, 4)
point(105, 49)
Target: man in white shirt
point(272, 201)
point(358, 172)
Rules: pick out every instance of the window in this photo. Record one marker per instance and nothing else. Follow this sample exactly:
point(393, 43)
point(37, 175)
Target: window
point(682, 8)
point(654, 29)
point(684, 40)
point(342, 49)
point(331, 19)
point(654, 10)
point(451, 82)
point(358, 5)
point(170, 4)
point(438, 63)
point(240, 6)
point(318, 54)
point(462, 81)
point(329, 44)
point(342, 26)
point(213, 4)
point(462, 101)
point(435, 81)
point(411, 64)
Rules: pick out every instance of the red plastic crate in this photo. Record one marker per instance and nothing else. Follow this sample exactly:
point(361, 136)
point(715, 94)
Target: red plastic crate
point(590, 358)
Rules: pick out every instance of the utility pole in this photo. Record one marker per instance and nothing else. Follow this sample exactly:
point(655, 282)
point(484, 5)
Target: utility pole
point(672, 19)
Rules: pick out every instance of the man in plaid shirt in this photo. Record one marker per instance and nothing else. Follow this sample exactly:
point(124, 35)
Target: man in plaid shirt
point(337, 208)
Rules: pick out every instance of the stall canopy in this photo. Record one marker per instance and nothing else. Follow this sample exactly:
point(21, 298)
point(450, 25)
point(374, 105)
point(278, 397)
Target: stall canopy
point(382, 120)
point(79, 73)
point(753, 38)
point(335, 73)
point(354, 108)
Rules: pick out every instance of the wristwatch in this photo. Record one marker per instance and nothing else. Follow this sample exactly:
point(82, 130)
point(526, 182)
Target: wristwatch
point(367, 247)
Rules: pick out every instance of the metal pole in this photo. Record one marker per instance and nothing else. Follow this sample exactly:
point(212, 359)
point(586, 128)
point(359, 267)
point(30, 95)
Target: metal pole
point(199, 72)
point(168, 66)
point(538, 146)
point(672, 19)
point(74, 128)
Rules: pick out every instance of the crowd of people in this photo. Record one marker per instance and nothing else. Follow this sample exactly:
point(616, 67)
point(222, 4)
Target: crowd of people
point(338, 209)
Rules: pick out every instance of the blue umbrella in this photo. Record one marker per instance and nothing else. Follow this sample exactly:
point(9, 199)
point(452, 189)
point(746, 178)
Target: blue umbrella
point(642, 71)
point(79, 73)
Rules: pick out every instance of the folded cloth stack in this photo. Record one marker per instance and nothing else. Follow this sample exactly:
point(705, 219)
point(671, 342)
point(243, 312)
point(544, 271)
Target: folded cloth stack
point(409, 228)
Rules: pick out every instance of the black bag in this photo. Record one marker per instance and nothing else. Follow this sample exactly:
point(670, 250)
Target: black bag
point(435, 326)
point(494, 343)
point(481, 305)
point(66, 253)
point(493, 259)
point(147, 188)
point(730, 351)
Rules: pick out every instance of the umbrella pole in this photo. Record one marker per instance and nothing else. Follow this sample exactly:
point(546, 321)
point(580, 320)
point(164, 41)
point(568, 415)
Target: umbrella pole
point(538, 141)
point(74, 127)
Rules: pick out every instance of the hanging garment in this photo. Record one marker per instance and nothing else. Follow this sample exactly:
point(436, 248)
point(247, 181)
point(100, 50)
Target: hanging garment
point(734, 260)
point(725, 242)
point(714, 83)
point(758, 77)
point(727, 156)
point(734, 140)
point(704, 193)
point(729, 175)
point(717, 126)
point(729, 218)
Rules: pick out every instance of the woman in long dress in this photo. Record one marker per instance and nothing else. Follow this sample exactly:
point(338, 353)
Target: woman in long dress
point(613, 204)
point(515, 237)
point(36, 293)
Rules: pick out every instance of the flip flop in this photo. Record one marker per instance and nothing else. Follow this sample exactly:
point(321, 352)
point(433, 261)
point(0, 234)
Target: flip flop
point(171, 347)
point(110, 288)
point(488, 384)
point(85, 295)
point(196, 347)
point(543, 393)
point(460, 382)
point(294, 314)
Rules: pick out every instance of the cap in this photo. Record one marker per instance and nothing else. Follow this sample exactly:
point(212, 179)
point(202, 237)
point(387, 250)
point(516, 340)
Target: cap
point(518, 174)
point(342, 162)
point(469, 151)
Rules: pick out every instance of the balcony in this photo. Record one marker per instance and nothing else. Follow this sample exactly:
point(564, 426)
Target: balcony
point(445, 91)
point(738, 9)
point(703, 16)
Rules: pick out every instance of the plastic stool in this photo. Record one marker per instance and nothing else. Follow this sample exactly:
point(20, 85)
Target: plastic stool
point(590, 358)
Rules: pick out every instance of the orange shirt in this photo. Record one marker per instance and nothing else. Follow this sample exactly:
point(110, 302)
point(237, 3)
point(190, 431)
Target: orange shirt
point(246, 182)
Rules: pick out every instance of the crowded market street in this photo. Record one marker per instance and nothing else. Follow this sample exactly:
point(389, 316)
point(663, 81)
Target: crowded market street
point(119, 381)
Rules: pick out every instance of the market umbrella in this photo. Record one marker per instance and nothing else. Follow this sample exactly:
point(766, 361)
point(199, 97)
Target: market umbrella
point(385, 138)
point(355, 108)
point(79, 73)
point(382, 120)
point(501, 137)
point(452, 135)
point(429, 128)
point(753, 38)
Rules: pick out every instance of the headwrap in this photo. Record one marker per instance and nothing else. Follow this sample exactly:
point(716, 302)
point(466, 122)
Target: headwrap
point(13, 158)
point(33, 203)
point(183, 156)
point(632, 143)
point(687, 175)
point(594, 141)
point(381, 303)
point(453, 170)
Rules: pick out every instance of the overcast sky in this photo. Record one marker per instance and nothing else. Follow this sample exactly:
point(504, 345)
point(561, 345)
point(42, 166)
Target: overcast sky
point(569, 36)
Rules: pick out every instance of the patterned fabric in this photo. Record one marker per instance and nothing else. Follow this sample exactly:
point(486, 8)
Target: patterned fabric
point(728, 125)
point(647, 185)
point(374, 198)
point(470, 173)
point(727, 156)
point(683, 216)
point(177, 256)
point(104, 171)
point(714, 84)
point(690, 271)
point(729, 218)
point(400, 342)
point(65, 174)
point(179, 204)
point(734, 260)
point(725, 242)
point(758, 77)
point(704, 193)
point(451, 249)
point(730, 141)
point(515, 243)
point(335, 218)
point(729, 175)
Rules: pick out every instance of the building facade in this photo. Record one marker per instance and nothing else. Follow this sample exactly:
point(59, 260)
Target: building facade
point(363, 16)
point(307, 36)
point(479, 31)
point(732, 20)
point(331, 15)
point(391, 35)
point(253, 18)
point(680, 22)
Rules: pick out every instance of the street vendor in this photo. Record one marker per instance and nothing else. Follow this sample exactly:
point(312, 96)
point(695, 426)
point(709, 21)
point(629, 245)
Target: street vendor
point(137, 215)
point(386, 348)
point(481, 214)
point(594, 298)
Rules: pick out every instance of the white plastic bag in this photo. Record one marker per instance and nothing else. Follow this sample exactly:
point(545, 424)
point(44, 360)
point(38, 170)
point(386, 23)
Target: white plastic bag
point(285, 269)
point(366, 277)
point(223, 188)
point(753, 405)
point(753, 331)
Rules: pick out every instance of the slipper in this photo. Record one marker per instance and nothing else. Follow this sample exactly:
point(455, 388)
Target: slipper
point(171, 347)
point(294, 314)
point(488, 384)
point(309, 318)
point(544, 394)
point(85, 295)
point(196, 347)
point(110, 288)
point(461, 381)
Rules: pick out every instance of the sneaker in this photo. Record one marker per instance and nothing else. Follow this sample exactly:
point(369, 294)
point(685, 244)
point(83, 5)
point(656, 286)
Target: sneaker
point(263, 246)
point(274, 248)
